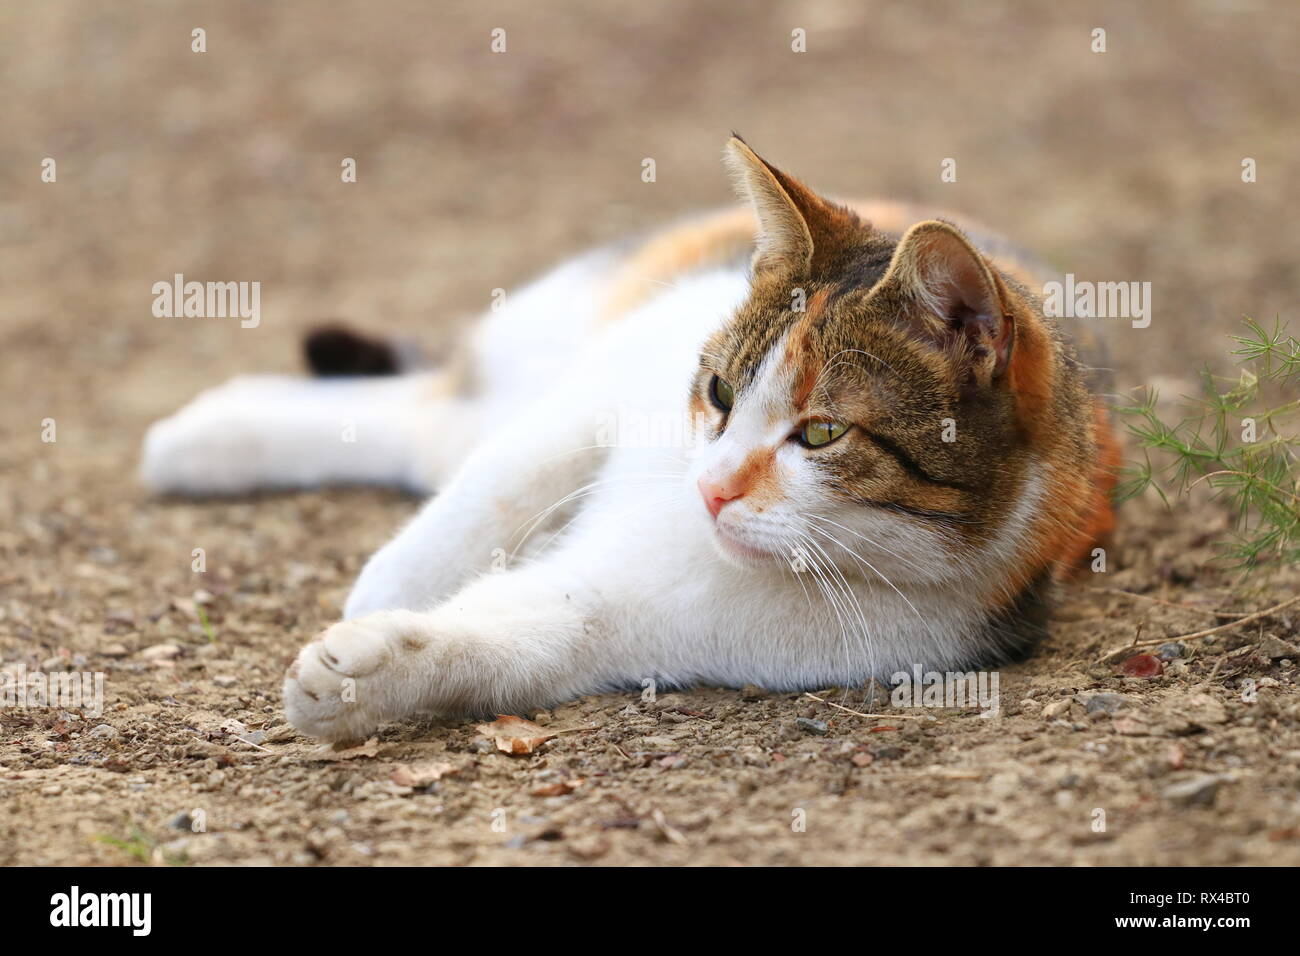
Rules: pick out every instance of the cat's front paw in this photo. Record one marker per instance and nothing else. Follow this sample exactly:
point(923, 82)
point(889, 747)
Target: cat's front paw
point(355, 676)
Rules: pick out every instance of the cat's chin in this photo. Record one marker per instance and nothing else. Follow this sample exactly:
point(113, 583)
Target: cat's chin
point(738, 552)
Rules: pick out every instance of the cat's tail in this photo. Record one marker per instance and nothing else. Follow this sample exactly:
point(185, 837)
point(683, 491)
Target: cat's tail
point(336, 351)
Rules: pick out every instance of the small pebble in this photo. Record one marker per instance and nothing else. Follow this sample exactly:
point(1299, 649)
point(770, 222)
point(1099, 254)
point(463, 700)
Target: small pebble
point(810, 726)
point(1143, 665)
point(1199, 791)
point(1057, 707)
point(1105, 703)
point(1276, 650)
point(1171, 651)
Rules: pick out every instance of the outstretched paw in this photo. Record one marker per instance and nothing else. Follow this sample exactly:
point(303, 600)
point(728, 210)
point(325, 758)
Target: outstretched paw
point(355, 676)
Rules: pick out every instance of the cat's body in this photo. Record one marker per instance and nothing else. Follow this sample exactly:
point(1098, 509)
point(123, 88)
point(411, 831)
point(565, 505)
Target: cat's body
point(632, 483)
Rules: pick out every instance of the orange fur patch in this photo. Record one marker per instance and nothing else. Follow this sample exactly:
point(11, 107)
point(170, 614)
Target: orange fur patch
point(756, 476)
point(709, 240)
point(798, 360)
point(716, 238)
point(1031, 375)
point(1099, 522)
point(1077, 514)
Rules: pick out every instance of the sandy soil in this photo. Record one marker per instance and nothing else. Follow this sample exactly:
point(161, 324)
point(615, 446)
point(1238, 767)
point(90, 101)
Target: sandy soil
point(476, 169)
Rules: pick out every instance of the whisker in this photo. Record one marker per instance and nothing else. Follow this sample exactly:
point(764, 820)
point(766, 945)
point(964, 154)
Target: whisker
point(838, 594)
point(882, 577)
point(875, 544)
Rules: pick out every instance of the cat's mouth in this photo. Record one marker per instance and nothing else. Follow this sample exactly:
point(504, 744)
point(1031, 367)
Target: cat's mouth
point(738, 550)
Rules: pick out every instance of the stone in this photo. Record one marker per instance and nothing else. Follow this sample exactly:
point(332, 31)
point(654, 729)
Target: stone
point(1056, 708)
point(1106, 703)
point(1197, 791)
point(1275, 649)
point(808, 725)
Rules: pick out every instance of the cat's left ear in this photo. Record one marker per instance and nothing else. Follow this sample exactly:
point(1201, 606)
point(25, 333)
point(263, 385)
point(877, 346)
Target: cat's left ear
point(958, 301)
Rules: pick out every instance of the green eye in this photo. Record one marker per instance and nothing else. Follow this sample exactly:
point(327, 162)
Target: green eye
point(721, 394)
point(817, 434)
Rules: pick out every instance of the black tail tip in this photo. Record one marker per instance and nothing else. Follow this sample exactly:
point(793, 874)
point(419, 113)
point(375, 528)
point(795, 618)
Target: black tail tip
point(335, 350)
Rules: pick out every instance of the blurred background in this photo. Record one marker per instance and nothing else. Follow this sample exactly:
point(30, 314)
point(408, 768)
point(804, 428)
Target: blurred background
point(475, 170)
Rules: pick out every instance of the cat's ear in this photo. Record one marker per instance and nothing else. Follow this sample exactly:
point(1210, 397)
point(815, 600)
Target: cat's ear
point(795, 225)
point(957, 300)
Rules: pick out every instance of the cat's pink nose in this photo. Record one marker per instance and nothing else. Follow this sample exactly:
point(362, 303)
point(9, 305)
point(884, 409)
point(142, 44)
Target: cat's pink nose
point(717, 493)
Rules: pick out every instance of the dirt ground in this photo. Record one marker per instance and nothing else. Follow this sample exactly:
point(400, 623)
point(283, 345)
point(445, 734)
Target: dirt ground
point(474, 170)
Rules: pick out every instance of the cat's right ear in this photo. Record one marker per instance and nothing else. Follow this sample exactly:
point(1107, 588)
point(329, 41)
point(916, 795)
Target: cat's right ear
point(784, 241)
point(795, 225)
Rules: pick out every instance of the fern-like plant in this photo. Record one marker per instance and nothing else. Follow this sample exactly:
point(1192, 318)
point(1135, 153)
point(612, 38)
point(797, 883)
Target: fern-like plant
point(1239, 437)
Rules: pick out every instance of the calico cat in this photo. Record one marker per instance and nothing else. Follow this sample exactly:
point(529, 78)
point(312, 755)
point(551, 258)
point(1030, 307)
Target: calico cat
point(819, 458)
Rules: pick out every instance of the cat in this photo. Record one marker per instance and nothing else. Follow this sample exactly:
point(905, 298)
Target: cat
point(791, 445)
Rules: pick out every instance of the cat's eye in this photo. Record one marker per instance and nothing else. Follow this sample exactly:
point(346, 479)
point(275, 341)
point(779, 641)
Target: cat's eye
point(721, 394)
point(818, 434)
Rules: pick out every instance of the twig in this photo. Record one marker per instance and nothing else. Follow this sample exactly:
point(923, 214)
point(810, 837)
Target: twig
point(858, 713)
point(242, 740)
point(1209, 632)
point(1217, 664)
point(1242, 474)
point(670, 833)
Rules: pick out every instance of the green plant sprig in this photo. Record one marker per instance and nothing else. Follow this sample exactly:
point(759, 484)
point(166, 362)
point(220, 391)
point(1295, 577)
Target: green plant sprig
point(1240, 439)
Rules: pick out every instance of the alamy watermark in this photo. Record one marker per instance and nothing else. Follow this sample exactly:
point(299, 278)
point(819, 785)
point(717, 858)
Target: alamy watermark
point(68, 690)
point(208, 300)
point(1074, 299)
point(946, 689)
point(635, 428)
point(130, 910)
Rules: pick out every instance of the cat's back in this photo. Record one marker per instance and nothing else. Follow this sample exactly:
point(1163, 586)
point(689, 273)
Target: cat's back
point(664, 292)
point(724, 238)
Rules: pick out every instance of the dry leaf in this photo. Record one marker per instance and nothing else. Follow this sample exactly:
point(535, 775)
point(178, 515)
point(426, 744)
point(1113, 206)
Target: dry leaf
point(421, 774)
point(335, 752)
point(514, 735)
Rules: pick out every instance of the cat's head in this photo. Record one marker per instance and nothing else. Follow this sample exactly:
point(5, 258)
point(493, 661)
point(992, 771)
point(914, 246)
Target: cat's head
point(870, 405)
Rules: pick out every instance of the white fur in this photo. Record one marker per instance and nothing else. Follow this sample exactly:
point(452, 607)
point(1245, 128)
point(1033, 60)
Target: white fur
point(550, 565)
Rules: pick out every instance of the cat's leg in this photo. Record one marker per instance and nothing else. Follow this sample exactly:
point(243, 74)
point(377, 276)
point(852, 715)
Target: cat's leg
point(288, 432)
point(637, 592)
point(511, 490)
point(508, 642)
